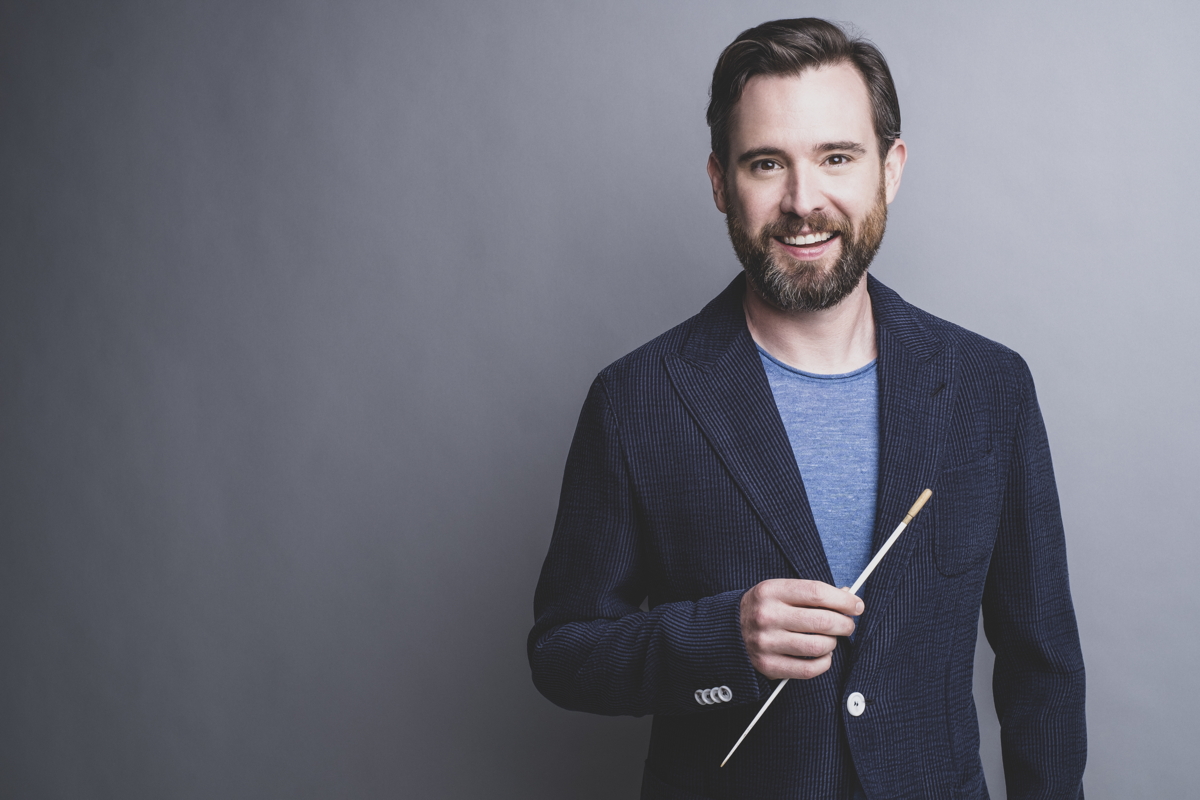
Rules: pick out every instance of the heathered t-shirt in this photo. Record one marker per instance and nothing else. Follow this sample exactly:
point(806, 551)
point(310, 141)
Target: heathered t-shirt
point(832, 422)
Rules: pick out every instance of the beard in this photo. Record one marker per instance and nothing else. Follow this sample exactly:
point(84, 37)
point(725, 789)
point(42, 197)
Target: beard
point(792, 285)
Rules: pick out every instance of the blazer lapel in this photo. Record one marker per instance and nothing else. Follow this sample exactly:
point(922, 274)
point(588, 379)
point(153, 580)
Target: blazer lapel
point(916, 391)
point(720, 379)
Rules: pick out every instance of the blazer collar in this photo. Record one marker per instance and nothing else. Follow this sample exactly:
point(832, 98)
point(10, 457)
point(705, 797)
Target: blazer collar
point(721, 324)
point(718, 374)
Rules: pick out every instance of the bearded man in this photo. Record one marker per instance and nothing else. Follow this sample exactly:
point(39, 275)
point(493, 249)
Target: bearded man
point(728, 476)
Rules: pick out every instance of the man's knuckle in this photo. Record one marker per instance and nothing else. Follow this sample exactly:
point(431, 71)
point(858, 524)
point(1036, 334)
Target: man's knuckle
point(760, 617)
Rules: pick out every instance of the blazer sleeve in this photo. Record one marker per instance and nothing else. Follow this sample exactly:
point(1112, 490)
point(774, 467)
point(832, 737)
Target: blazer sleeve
point(592, 647)
point(1038, 679)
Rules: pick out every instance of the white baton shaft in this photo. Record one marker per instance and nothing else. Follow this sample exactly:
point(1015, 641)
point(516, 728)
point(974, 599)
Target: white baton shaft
point(866, 573)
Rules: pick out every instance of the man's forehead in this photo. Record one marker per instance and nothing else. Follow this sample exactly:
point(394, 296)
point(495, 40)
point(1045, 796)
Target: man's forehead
point(825, 103)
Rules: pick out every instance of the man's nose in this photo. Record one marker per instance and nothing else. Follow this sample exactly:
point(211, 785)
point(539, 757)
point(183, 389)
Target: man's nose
point(803, 194)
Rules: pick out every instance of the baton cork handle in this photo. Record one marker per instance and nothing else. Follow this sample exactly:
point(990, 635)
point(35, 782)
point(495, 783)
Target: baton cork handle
point(917, 506)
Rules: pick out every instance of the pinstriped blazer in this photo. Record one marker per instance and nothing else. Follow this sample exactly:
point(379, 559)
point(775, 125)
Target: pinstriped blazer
point(681, 490)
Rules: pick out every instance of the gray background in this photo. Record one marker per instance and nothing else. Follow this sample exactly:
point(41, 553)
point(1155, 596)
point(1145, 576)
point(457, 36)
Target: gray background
point(299, 302)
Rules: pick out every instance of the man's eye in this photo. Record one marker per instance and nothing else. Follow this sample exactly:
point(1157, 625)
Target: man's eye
point(837, 160)
point(766, 165)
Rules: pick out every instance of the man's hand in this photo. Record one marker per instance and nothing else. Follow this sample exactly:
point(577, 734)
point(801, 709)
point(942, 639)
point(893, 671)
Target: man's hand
point(791, 626)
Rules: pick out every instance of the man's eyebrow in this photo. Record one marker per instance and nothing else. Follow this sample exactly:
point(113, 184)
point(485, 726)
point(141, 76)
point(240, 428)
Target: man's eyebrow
point(849, 147)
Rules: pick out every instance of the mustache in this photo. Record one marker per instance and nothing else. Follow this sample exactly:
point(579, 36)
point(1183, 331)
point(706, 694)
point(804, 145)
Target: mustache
point(816, 222)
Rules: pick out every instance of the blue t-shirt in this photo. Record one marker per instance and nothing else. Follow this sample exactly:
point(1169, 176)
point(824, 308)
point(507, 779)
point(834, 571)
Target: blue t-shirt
point(832, 422)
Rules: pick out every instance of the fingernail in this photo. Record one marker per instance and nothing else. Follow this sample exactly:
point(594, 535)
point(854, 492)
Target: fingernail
point(859, 605)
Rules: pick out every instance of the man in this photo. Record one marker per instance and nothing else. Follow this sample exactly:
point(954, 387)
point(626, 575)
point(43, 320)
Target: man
point(736, 470)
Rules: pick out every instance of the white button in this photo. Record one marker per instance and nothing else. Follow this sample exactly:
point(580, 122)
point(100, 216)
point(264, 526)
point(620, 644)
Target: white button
point(707, 695)
point(725, 693)
point(699, 697)
point(856, 704)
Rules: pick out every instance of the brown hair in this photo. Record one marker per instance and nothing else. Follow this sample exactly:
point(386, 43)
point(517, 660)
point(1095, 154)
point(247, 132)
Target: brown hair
point(788, 47)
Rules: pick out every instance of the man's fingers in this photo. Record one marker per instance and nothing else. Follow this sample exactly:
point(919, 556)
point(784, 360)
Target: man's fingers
point(803, 645)
point(791, 627)
point(813, 594)
point(777, 666)
point(816, 620)
point(776, 642)
point(773, 615)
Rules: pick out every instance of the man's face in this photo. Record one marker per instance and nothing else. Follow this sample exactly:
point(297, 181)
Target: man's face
point(804, 191)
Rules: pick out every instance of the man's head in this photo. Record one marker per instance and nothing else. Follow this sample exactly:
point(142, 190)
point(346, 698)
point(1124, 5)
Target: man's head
point(806, 157)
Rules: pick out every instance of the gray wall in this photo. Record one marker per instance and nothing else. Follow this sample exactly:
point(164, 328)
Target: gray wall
point(299, 301)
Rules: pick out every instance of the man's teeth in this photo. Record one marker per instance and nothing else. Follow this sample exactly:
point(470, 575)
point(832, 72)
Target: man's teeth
point(811, 238)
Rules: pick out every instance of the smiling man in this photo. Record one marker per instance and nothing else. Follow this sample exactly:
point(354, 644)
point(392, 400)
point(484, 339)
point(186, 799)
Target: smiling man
point(735, 471)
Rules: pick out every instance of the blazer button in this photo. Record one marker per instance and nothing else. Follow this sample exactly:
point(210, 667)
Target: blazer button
point(699, 697)
point(856, 704)
point(725, 693)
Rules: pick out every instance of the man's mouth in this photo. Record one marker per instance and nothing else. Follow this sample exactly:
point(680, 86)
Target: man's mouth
point(808, 239)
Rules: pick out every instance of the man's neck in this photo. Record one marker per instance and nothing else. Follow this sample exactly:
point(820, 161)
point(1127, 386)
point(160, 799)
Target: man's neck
point(832, 341)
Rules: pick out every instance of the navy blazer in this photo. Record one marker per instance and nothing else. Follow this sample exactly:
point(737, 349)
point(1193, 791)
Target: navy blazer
point(681, 490)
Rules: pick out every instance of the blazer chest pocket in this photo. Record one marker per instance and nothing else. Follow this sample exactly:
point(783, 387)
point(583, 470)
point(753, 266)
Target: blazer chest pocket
point(965, 515)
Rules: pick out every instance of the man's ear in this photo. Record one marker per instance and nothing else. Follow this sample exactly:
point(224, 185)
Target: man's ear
point(893, 168)
point(716, 174)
